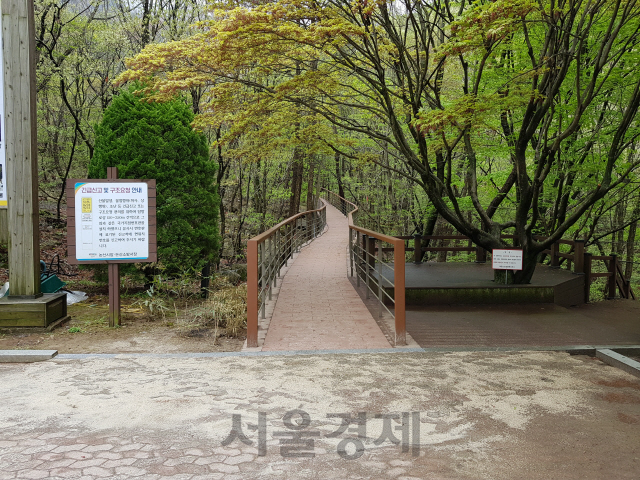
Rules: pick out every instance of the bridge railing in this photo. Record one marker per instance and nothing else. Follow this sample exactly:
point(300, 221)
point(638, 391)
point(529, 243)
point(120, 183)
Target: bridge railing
point(365, 247)
point(268, 252)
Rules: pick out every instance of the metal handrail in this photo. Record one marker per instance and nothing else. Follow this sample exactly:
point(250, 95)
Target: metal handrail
point(268, 252)
point(363, 259)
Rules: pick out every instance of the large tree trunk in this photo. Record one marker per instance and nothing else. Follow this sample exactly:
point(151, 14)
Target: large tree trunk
point(631, 240)
point(296, 181)
point(310, 185)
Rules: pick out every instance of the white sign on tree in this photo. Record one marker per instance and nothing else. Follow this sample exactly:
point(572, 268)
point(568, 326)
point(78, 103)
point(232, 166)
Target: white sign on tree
point(112, 221)
point(506, 259)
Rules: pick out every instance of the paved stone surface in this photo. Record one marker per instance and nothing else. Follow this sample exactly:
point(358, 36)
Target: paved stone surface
point(533, 415)
point(317, 308)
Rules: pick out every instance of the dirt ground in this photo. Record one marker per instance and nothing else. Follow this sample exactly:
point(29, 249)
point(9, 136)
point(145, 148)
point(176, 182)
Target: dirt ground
point(88, 332)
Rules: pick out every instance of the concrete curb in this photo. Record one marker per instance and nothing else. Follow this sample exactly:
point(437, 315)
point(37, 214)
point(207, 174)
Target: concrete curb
point(589, 350)
point(23, 356)
point(619, 361)
point(26, 356)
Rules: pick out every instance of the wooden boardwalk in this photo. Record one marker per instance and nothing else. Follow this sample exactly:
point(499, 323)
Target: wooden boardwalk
point(317, 307)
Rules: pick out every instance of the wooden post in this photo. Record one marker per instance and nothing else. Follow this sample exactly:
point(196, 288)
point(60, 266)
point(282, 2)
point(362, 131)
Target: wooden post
point(578, 257)
point(371, 257)
point(370, 263)
point(399, 292)
point(417, 249)
point(355, 257)
point(587, 277)
point(18, 33)
point(114, 274)
point(252, 294)
point(555, 259)
point(611, 294)
point(364, 258)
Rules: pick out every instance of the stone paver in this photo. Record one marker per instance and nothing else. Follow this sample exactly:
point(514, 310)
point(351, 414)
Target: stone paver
point(317, 307)
point(456, 416)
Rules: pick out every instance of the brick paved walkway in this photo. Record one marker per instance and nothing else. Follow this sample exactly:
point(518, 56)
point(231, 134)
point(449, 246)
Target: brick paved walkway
point(502, 416)
point(317, 307)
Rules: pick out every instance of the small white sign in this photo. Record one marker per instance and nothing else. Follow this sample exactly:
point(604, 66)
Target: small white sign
point(506, 259)
point(112, 221)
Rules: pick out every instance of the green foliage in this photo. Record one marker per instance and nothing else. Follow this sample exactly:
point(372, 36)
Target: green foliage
point(153, 302)
point(149, 140)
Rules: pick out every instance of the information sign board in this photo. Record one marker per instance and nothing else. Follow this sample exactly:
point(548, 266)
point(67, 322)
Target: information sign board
point(111, 221)
point(506, 259)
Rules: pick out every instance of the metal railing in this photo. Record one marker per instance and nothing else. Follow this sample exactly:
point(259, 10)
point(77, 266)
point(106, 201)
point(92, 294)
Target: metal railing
point(366, 259)
point(268, 252)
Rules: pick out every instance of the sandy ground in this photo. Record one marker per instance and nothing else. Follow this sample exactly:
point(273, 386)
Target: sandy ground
point(481, 416)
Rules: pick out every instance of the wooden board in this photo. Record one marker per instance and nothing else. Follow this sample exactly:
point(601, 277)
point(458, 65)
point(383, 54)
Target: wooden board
point(39, 312)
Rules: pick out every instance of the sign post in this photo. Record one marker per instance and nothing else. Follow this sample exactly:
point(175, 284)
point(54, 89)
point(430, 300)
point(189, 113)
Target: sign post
point(20, 143)
point(506, 259)
point(25, 306)
point(111, 221)
point(4, 228)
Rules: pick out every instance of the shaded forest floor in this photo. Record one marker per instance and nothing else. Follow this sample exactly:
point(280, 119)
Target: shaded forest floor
point(173, 319)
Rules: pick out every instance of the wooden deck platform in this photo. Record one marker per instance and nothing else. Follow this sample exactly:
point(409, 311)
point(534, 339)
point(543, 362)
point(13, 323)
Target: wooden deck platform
point(440, 283)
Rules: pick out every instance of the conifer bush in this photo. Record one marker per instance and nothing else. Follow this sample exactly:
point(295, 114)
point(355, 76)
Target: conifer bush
point(148, 140)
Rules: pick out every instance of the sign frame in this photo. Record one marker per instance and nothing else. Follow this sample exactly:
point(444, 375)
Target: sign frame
point(71, 221)
point(493, 258)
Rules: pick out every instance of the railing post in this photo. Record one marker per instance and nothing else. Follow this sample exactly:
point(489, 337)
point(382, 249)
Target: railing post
point(351, 251)
point(279, 251)
point(315, 217)
point(578, 257)
point(285, 250)
point(268, 279)
point(417, 248)
point(370, 264)
point(380, 296)
point(612, 278)
point(555, 259)
point(252, 294)
point(357, 244)
point(364, 258)
point(399, 293)
point(587, 277)
point(263, 304)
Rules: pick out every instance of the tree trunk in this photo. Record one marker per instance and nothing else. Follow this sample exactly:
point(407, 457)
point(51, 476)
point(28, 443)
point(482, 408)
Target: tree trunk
point(618, 237)
point(296, 181)
point(310, 184)
point(631, 240)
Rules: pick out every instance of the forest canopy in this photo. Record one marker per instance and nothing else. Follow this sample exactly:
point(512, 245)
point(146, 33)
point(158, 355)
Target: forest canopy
point(510, 116)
